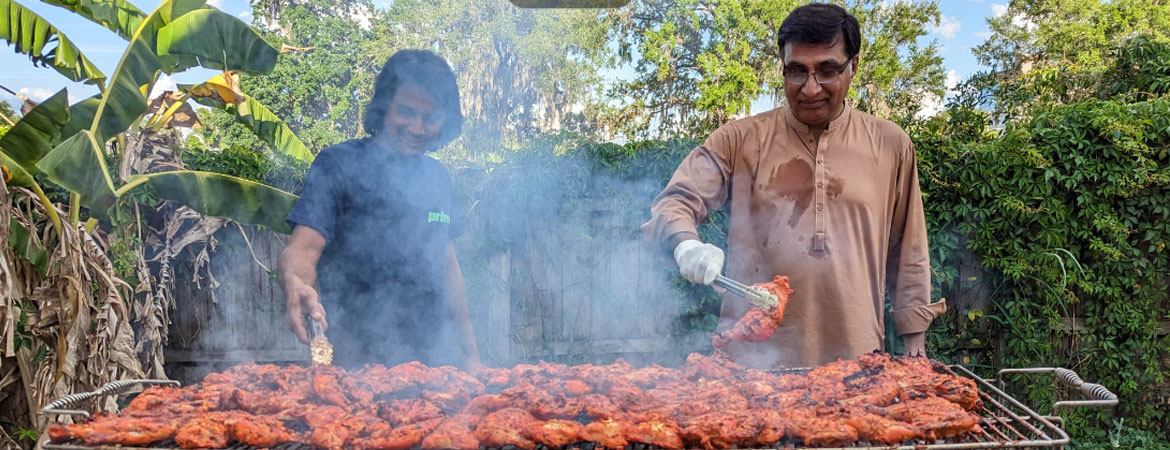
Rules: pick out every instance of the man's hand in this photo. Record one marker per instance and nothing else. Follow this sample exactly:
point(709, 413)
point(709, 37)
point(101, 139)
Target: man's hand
point(300, 298)
point(698, 262)
point(915, 344)
point(298, 272)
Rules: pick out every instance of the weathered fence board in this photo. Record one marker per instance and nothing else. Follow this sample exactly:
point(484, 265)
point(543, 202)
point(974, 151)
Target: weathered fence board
point(562, 294)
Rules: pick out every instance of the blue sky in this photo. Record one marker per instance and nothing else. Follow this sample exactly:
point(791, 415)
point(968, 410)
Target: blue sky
point(963, 26)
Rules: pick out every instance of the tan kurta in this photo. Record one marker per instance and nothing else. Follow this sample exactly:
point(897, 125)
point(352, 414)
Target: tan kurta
point(841, 217)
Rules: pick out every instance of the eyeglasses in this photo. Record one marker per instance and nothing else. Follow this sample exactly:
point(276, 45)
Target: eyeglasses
point(827, 75)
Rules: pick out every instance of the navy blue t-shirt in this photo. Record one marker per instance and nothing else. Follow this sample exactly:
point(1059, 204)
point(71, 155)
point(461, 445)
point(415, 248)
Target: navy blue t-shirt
point(387, 219)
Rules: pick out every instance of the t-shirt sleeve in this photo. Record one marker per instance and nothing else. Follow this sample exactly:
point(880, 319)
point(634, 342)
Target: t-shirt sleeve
point(457, 218)
point(320, 201)
point(458, 215)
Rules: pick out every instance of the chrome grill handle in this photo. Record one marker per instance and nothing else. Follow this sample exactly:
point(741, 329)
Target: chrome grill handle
point(1097, 394)
point(65, 405)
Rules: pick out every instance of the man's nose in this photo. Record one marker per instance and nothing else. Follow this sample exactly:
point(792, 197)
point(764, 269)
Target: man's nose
point(417, 126)
point(811, 87)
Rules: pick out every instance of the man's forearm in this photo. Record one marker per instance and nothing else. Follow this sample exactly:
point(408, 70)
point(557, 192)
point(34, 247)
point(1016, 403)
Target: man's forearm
point(461, 317)
point(294, 265)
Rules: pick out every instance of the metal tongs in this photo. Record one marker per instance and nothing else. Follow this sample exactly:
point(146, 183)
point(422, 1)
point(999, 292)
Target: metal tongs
point(756, 295)
point(319, 347)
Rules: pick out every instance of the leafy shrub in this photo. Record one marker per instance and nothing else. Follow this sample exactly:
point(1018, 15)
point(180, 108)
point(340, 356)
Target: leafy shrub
point(1068, 213)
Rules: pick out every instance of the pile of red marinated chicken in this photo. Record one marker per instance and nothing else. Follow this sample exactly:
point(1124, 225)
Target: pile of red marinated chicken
point(709, 403)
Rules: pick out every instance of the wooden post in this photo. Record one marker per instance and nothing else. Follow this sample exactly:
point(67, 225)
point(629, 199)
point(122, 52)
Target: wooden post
point(498, 349)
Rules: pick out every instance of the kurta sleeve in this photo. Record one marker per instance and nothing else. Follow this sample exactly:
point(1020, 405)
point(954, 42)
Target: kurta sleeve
point(908, 266)
point(698, 186)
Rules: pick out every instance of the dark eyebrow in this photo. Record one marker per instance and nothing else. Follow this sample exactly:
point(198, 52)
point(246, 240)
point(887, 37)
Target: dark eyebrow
point(827, 62)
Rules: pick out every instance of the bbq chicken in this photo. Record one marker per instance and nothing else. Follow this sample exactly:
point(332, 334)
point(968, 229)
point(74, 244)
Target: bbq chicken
point(758, 324)
point(709, 403)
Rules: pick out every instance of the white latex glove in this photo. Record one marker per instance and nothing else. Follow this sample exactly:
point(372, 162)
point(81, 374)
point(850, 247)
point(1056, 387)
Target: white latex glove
point(698, 262)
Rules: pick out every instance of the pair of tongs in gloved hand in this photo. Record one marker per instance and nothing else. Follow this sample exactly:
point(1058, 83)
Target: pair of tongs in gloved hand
point(756, 295)
point(319, 347)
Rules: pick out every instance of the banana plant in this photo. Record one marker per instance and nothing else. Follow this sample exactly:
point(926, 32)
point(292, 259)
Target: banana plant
point(177, 35)
point(29, 139)
point(33, 36)
point(223, 92)
point(119, 16)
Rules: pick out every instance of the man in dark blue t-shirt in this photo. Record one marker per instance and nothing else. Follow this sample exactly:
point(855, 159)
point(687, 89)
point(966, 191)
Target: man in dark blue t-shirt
point(374, 225)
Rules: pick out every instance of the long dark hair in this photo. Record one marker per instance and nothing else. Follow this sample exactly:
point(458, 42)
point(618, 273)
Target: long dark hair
point(426, 69)
point(820, 23)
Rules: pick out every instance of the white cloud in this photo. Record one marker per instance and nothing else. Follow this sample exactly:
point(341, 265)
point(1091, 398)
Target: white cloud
point(952, 80)
point(218, 4)
point(947, 27)
point(164, 83)
point(985, 35)
point(246, 16)
point(932, 104)
point(1019, 20)
point(35, 94)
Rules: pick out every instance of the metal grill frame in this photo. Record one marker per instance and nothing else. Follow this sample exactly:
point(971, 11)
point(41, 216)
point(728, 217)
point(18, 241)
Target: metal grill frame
point(1006, 422)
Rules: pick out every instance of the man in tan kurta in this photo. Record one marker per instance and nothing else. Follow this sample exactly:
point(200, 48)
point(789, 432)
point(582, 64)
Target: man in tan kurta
point(822, 193)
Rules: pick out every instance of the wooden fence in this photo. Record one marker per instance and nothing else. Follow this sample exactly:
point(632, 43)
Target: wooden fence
point(562, 294)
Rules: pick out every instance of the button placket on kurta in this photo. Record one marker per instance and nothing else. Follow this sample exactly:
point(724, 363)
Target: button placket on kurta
point(821, 224)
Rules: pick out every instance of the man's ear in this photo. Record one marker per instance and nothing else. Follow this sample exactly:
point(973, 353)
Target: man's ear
point(854, 62)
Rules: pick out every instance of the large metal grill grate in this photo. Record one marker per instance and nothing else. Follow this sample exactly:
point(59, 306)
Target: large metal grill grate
point(1005, 422)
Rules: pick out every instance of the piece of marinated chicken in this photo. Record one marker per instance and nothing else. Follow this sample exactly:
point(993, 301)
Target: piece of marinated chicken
point(659, 433)
point(878, 429)
point(206, 431)
point(116, 430)
point(607, 433)
point(453, 433)
point(938, 418)
point(402, 437)
point(505, 427)
point(758, 324)
point(554, 433)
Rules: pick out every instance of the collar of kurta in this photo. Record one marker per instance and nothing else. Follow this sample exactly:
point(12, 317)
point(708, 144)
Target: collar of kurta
point(803, 129)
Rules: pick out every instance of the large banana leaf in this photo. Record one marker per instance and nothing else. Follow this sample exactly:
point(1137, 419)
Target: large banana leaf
point(217, 194)
point(37, 132)
point(218, 40)
point(120, 16)
point(78, 164)
point(33, 36)
point(222, 92)
point(81, 115)
point(125, 101)
point(14, 174)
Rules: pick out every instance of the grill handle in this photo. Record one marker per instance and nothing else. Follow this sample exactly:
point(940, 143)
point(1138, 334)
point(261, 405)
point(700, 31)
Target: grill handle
point(1098, 395)
point(65, 404)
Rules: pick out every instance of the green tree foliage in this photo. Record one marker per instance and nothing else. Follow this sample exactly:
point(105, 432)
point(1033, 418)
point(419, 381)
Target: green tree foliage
point(220, 130)
point(6, 112)
point(223, 145)
point(1054, 51)
point(520, 71)
point(320, 89)
point(1066, 210)
point(699, 64)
